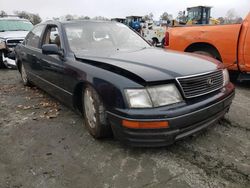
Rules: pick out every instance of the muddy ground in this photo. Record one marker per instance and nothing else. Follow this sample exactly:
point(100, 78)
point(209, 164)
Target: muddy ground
point(44, 145)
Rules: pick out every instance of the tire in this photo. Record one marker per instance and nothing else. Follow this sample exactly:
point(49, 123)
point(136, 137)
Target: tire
point(163, 43)
point(24, 76)
point(2, 65)
point(205, 53)
point(154, 42)
point(94, 114)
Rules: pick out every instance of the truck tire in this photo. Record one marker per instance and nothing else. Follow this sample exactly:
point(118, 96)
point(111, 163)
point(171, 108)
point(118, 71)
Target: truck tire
point(204, 53)
point(154, 42)
point(163, 43)
point(2, 65)
point(94, 114)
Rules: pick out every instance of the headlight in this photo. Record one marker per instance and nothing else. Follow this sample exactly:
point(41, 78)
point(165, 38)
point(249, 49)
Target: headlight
point(164, 95)
point(155, 96)
point(138, 98)
point(2, 44)
point(226, 78)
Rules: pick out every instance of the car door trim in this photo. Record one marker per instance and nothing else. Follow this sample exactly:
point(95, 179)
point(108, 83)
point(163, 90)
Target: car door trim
point(51, 83)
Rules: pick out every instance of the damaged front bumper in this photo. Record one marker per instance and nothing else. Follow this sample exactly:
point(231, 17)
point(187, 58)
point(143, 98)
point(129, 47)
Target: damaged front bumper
point(9, 61)
point(8, 58)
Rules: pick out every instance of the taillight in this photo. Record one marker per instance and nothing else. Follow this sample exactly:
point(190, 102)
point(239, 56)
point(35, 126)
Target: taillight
point(166, 38)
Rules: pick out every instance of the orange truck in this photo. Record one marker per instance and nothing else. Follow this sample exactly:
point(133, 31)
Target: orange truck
point(229, 43)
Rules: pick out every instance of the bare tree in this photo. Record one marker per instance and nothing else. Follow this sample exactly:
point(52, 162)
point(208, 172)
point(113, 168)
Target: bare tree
point(181, 16)
point(151, 16)
point(69, 17)
point(221, 19)
point(232, 17)
point(3, 13)
point(83, 18)
point(100, 18)
point(166, 17)
point(33, 18)
point(148, 17)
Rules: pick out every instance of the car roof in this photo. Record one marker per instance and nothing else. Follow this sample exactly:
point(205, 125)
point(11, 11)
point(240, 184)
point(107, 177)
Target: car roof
point(76, 21)
point(13, 18)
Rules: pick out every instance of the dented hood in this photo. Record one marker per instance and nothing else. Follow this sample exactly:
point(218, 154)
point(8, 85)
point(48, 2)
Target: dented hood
point(151, 64)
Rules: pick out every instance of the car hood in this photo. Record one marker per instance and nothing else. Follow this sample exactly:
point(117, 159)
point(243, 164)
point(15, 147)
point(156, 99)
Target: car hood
point(13, 34)
point(152, 64)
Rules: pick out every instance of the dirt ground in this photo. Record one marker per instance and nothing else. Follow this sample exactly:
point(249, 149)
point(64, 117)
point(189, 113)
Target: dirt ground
point(43, 144)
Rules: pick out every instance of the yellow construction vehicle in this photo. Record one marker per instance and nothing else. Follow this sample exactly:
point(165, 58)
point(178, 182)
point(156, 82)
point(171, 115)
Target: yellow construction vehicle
point(198, 15)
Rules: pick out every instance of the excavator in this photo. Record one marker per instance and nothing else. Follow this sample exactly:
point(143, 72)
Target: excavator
point(197, 15)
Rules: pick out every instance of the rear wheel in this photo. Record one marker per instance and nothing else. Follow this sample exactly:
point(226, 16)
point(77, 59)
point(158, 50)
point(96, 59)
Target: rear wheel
point(154, 42)
point(24, 76)
point(205, 50)
point(163, 43)
point(204, 53)
point(94, 114)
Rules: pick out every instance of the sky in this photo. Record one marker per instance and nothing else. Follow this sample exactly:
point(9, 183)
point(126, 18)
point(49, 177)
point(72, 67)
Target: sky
point(120, 8)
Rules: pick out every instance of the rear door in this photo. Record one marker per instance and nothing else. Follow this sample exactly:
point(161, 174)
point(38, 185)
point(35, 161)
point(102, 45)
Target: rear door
point(31, 51)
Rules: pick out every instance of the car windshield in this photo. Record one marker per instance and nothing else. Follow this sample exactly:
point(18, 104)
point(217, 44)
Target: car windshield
point(15, 25)
point(102, 36)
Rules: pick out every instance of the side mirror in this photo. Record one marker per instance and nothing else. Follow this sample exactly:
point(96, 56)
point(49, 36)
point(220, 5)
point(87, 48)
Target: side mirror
point(51, 49)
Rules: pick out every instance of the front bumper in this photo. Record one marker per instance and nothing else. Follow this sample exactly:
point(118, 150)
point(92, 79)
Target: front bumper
point(9, 58)
point(181, 125)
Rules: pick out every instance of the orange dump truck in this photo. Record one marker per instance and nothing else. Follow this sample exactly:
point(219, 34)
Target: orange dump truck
point(229, 44)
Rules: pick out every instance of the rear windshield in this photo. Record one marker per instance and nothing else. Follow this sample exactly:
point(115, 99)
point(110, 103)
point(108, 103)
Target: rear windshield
point(15, 25)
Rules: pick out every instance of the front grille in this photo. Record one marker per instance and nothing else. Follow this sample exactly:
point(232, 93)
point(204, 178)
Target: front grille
point(197, 85)
point(13, 42)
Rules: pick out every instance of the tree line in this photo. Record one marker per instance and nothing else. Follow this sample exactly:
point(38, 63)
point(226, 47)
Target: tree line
point(231, 17)
point(33, 18)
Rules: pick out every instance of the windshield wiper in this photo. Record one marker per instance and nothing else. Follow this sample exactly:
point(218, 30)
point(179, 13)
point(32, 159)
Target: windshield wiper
point(19, 30)
point(2, 30)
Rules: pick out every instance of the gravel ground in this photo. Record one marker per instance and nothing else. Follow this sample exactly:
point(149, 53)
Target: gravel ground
point(44, 145)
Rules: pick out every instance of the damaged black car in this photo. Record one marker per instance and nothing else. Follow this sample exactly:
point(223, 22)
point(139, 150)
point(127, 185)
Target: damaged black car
point(123, 86)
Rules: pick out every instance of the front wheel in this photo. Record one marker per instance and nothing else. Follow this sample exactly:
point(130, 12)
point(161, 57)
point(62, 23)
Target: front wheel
point(94, 114)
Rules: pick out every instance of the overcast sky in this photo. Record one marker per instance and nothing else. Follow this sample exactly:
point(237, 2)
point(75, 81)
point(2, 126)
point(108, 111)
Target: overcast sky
point(119, 8)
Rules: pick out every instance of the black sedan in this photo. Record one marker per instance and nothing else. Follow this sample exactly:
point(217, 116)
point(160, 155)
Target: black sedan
point(121, 84)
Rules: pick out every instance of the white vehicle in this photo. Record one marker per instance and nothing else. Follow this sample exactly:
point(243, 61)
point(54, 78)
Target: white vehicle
point(13, 30)
point(154, 34)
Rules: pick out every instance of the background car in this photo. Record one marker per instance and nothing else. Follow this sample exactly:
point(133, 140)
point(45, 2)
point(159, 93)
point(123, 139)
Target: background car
point(12, 32)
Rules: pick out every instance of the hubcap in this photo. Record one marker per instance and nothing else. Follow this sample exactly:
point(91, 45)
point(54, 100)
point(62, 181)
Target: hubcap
point(90, 110)
point(24, 75)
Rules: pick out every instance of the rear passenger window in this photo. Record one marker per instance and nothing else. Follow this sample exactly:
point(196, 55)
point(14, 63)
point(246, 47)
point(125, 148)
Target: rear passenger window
point(34, 36)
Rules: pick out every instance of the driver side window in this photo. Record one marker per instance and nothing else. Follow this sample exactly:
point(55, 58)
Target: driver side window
point(52, 36)
point(34, 36)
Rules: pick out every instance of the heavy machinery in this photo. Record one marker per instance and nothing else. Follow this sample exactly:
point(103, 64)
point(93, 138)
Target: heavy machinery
point(198, 15)
point(153, 33)
point(134, 22)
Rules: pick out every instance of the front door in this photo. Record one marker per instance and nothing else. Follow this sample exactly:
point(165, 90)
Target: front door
point(53, 65)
